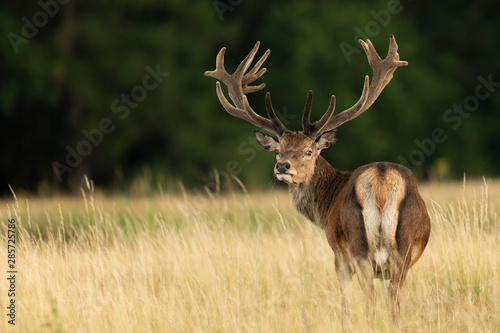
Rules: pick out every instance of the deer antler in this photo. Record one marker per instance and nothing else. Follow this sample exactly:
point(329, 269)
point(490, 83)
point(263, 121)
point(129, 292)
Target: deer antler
point(382, 75)
point(316, 127)
point(238, 87)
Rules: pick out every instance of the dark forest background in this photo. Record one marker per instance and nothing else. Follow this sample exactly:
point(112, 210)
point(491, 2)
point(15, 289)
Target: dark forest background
point(115, 89)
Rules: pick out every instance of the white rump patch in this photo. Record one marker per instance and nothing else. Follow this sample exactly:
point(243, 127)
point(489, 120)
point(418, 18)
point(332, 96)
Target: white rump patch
point(380, 226)
point(380, 256)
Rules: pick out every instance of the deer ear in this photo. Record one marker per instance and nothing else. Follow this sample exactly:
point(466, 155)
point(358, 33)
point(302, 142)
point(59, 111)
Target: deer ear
point(326, 139)
point(266, 141)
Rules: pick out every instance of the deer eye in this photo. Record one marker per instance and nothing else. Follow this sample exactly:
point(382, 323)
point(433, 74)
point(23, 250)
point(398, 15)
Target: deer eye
point(277, 153)
point(309, 152)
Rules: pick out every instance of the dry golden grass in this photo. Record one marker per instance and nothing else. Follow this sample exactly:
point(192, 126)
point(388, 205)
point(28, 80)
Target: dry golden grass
point(235, 263)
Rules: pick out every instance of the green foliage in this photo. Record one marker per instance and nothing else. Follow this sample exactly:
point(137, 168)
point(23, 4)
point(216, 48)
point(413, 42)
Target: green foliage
point(80, 65)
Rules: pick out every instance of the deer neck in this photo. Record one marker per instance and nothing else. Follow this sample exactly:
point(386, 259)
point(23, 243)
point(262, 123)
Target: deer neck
point(315, 198)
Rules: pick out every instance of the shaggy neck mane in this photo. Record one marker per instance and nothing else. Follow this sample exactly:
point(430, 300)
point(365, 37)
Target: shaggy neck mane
point(314, 199)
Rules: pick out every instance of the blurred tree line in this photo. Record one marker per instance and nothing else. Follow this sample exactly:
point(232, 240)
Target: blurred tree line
point(115, 89)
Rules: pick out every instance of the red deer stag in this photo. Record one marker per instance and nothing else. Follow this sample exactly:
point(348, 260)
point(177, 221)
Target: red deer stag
point(374, 218)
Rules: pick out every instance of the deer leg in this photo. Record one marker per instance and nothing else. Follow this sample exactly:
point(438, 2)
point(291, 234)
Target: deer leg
point(398, 276)
point(344, 275)
point(364, 270)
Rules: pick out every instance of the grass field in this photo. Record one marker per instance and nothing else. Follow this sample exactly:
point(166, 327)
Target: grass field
point(234, 263)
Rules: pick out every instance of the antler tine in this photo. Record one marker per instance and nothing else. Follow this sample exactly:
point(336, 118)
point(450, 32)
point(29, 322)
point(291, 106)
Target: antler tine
point(382, 74)
point(317, 126)
point(238, 87)
point(306, 116)
point(255, 74)
point(312, 129)
point(220, 71)
point(253, 118)
point(252, 75)
point(243, 66)
point(272, 115)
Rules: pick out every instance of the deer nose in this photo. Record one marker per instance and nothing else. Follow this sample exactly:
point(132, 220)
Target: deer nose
point(282, 167)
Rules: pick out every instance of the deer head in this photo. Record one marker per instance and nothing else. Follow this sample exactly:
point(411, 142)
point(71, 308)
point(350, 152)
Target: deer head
point(296, 152)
